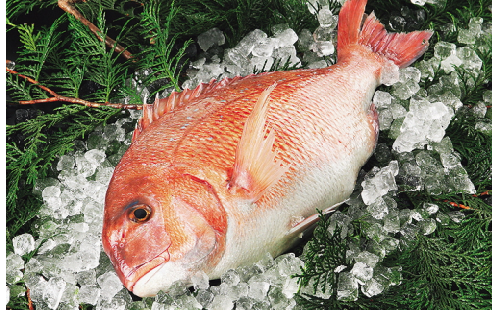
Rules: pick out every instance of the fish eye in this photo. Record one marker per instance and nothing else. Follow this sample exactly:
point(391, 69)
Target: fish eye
point(140, 213)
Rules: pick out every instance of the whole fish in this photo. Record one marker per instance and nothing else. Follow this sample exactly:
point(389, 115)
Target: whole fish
point(219, 176)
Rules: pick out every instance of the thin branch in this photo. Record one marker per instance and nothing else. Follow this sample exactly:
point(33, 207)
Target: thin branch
point(57, 97)
point(68, 6)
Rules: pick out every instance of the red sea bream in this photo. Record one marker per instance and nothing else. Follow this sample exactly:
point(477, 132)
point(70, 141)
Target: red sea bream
point(219, 176)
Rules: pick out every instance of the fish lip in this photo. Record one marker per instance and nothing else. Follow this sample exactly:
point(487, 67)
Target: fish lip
point(141, 270)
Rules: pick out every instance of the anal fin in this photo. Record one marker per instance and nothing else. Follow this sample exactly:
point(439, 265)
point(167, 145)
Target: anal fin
point(256, 169)
point(310, 221)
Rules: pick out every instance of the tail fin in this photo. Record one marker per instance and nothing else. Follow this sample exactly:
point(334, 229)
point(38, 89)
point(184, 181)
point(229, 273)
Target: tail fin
point(402, 48)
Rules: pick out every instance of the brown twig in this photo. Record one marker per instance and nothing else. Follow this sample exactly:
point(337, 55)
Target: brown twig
point(459, 205)
point(68, 6)
point(56, 97)
point(30, 302)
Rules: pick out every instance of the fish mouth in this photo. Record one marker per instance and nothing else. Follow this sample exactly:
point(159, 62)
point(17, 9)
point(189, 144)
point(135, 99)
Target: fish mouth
point(130, 279)
point(161, 278)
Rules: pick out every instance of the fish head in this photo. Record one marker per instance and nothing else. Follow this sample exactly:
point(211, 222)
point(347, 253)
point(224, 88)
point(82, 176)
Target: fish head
point(161, 228)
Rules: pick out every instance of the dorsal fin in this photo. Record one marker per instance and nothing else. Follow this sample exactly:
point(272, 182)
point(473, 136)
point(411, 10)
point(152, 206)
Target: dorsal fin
point(152, 112)
point(255, 168)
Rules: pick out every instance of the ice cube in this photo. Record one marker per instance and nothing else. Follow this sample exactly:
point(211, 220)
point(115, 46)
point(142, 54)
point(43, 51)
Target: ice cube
point(258, 290)
point(87, 277)
point(427, 226)
point(286, 37)
point(89, 294)
point(288, 264)
point(405, 90)
point(248, 42)
point(290, 287)
point(323, 48)
point(434, 183)
point(14, 262)
point(113, 132)
point(53, 292)
point(466, 36)
point(430, 208)
point(372, 288)
point(69, 299)
point(456, 216)
point(471, 61)
point(459, 180)
point(378, 209)
point(277, 28)
point(368, 258)
point(51, 195)
point(392, 222)
point(200, 280)
point(325, 17)
point(197, 64)
point(111, 304)
point(347, 287)
point(23, 244)
point(277, 298)
point(212, 37)
point(397, 110)
point(305, 39)
point(339, 220)
point(409, 232)
point(449, 64)
point(443, 50)
point(41, 184)
point(261, 63)
point(110, 284)
point(380, 184)
point(204, 297)
point(317, 65)
point(66, 162)
point(234, 292)
point(104, 174)
point(390, 244)
point(375, 232)
point(479, 110)
point(488, 96)
point(233, 56)
point(264, 49)
point(450, 160)
point(443, 147)
point(221, 302)
point(95, 157)
point(286, 53)
point(230, 277)
point(382, 99)
point(475, 25)
point(324, 34)
point(484, 127)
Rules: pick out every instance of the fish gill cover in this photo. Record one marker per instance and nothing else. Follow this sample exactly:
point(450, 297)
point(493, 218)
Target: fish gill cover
point(416, 232)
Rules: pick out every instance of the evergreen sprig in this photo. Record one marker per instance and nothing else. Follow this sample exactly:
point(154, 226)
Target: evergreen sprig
point(323, 254)
point(448, 269)
point(67, 57)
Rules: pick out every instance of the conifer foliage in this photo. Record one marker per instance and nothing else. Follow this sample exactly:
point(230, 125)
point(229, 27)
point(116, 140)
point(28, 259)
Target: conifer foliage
point(448, 268)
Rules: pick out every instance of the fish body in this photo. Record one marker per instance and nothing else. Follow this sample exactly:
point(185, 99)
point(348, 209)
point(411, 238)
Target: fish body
point(219, 176)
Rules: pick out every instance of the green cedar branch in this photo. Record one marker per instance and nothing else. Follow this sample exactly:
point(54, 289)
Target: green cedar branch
point(57, 98)
point(68, 6)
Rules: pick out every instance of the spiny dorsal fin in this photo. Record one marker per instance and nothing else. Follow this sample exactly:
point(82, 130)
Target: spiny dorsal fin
point(255, 169)
point(152, 112)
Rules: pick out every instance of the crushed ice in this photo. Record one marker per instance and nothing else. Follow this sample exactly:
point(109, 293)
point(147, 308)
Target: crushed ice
point(70, 268)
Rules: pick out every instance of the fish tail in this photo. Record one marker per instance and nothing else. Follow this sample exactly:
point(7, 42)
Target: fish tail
point(401, 48)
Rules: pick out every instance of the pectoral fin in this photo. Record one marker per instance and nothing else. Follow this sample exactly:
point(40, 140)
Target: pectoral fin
point(256, 169)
